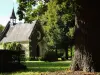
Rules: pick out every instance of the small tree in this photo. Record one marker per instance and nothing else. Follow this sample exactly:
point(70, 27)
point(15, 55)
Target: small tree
point(55, 16)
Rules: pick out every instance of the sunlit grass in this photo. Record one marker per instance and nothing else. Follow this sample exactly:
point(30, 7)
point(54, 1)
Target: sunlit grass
point(48, 64)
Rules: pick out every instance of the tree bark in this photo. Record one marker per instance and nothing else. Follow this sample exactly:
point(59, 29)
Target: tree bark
point(66, 52)
point(87, 36)
point(71, 51)
point(56, 51)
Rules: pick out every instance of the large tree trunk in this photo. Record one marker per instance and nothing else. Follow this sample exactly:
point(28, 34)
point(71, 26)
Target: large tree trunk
point(71, 51)
point(66, 52)
point(87, 36)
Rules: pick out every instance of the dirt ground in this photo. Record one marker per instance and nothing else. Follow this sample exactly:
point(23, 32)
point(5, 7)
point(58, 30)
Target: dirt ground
point(70, 73)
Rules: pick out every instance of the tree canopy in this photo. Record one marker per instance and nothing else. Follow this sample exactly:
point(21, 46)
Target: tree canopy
point(56, 17)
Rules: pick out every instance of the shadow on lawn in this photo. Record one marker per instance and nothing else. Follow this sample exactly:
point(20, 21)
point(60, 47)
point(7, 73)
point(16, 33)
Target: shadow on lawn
point(12, 68)
point(43, 66)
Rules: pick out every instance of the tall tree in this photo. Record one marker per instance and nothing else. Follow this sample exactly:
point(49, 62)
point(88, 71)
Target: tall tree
point(56, 16)
point(87, 36)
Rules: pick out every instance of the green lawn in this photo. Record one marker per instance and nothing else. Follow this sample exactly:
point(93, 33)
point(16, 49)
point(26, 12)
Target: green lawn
point(47, 66)
point(37, 67)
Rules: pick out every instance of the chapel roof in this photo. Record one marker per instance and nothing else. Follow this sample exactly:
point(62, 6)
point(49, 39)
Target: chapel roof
point(13, 15)
point(19, 32)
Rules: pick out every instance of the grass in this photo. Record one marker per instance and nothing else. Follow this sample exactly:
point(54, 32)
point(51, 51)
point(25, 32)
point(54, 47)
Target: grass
point(47, 66)
point(37, 67)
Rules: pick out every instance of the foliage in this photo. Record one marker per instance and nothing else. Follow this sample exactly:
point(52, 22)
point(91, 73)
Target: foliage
point(12, 46)
point(60, 54)
point(15, 47)
point(33, 59)
point(57, 20)
point(69, 51)
point(1, 28)
point(56, 17)
point(50, 56)
point(63, 58)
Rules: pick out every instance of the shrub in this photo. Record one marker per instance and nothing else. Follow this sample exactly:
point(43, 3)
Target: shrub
point(12, 46)
point(50, 56)
point(15, 47)
point(63, 57)
point(39, 58)
point(60, 54)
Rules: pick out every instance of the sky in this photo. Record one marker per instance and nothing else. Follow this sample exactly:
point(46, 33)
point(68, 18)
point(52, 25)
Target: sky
point(6, 7)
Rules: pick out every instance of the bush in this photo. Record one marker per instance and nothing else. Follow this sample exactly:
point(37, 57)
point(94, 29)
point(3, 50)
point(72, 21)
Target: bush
point(63, 58)
point(39, 58)
point(60, 54)
point(12, 46)
point(34, 59)
point(50, 56)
